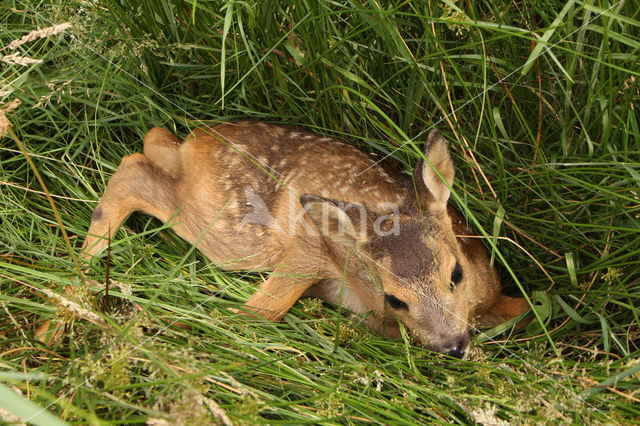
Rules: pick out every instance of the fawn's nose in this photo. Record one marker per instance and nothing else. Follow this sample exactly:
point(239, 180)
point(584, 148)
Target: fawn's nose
point(459, 351)
point(456, 347)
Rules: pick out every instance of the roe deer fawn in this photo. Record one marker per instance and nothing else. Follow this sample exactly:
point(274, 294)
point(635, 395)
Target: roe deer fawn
point(325, 218)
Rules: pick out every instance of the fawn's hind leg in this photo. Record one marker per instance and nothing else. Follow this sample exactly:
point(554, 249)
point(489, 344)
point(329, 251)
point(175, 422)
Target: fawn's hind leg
point(142, 182)
point(161, 147)
point(138, 184)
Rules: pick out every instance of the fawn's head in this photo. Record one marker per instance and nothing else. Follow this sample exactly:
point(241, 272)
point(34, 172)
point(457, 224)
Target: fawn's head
point(426, 279)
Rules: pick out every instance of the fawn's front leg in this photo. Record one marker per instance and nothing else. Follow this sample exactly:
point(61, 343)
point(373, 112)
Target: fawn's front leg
point(287, 283)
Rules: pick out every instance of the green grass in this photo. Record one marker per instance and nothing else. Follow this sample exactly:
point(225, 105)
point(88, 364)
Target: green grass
point(547, 146)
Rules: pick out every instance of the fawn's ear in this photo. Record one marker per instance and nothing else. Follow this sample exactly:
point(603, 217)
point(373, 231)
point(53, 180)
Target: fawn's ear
point(437, 153)
point(502, 310)
point(345, 223)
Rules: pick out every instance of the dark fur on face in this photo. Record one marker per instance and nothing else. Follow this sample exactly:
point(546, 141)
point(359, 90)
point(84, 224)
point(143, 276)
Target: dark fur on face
point(410, 256)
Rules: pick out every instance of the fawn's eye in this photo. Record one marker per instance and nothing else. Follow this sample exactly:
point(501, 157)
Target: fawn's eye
point(456, 276)
point(394, 302)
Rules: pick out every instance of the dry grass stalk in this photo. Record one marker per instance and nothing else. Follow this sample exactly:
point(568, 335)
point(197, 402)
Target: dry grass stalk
point(217, 411)
point(17, 59)
point(74, 307)
point(36, 34)
point(4, 121)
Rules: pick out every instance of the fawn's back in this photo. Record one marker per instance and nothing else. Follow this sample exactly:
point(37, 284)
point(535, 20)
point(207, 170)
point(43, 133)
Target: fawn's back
point(245, 180)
